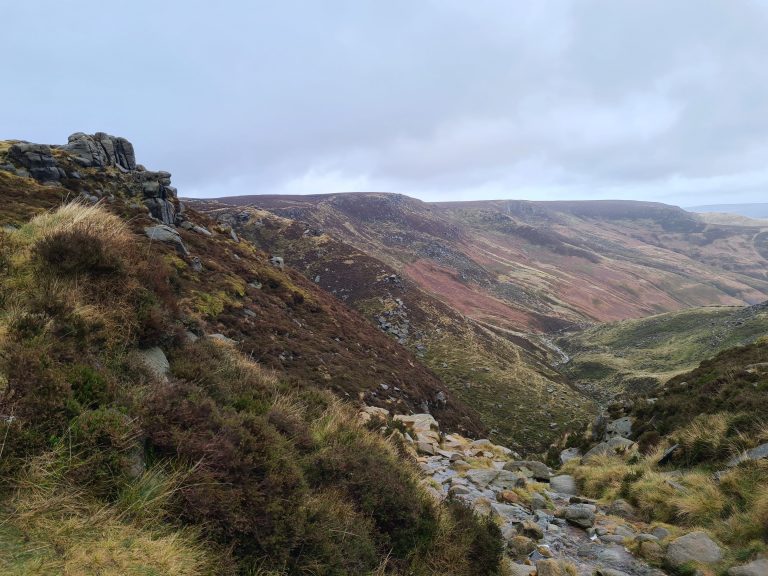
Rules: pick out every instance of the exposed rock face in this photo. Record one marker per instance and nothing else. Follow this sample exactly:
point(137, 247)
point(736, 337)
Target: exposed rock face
point(37, 160)
point(101, 150)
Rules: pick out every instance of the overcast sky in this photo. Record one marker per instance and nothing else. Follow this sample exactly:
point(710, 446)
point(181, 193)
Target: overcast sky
point(440, 99)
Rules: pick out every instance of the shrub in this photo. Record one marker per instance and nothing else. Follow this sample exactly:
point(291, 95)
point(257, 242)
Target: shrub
point(337, 539)
point(481, 535)
point(90, 389)
point(704, 439)
point(79, 251)
point(107, 453)
point(245, 486)
point(359, 465)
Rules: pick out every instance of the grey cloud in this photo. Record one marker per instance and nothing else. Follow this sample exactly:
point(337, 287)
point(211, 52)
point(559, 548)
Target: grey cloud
point(645, 99)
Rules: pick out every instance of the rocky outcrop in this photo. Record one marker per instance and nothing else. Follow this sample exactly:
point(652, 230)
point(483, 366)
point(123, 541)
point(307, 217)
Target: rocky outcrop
point(110, 156)
point(36, 160)
point(101, 150)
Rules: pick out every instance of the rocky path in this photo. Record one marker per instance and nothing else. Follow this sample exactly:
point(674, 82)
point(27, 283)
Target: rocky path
point(549, 529)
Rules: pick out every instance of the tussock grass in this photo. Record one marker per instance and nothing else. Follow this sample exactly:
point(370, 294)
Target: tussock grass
point(53, 527)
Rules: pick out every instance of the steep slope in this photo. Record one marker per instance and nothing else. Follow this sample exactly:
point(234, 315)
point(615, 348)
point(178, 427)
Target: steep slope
point(276, 315)
point(541, 266)
point(489, 368)
point(637, 355)
point(159, 415)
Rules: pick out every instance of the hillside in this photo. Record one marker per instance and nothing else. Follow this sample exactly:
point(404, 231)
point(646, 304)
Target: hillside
point(480, 290)
point(489, 368)
point(174, 403)
point(543, 266)
point(691, 458)
point(637, 355)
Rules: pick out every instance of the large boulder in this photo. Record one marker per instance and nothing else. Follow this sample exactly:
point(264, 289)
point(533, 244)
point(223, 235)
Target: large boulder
point(418, 422)
point(563, 484)
point(155, 361)
point(529, 469)
point(582, 515)
point(621, 427)
point(163, 233)
point(693, 547)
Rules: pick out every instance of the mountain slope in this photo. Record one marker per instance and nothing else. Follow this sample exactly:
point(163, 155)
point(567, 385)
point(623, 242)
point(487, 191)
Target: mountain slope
point(159, 415)
point(540, 266)
point(488, 368)
point(637, 355)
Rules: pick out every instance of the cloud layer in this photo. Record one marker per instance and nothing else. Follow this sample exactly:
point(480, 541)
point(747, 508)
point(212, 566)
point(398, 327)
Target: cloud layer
point(439, 99)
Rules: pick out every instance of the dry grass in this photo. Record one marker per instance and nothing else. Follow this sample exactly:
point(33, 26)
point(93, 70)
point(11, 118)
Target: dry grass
point(52, 528)
point(76, 217)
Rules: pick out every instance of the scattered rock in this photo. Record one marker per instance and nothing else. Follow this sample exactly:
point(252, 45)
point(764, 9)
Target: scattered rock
point(520, 546)
point(538, 502)
point(529, 469)
point(563, 484)
point(550, 567)
point(616, 445)
point(514, 569)
point(609, 572)
point(693, 547)
point(426, 448)
point(651, 551)
point(163, 233)
point(621, 508)
point(755, 454)
point(531, 530)
point(155, 360)
point(582, 515)
point(570, 454)
point(756, 568)
point(222, 338)
point(277, 262)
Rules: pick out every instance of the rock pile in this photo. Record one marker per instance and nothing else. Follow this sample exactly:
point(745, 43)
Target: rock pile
point(547, 526)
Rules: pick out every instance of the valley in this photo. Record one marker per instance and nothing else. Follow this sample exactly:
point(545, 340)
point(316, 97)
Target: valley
point(493, 296)
point(478, 389)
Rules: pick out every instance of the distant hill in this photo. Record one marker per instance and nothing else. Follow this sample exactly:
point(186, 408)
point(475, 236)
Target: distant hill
point(480, 290)
point(757, 210)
